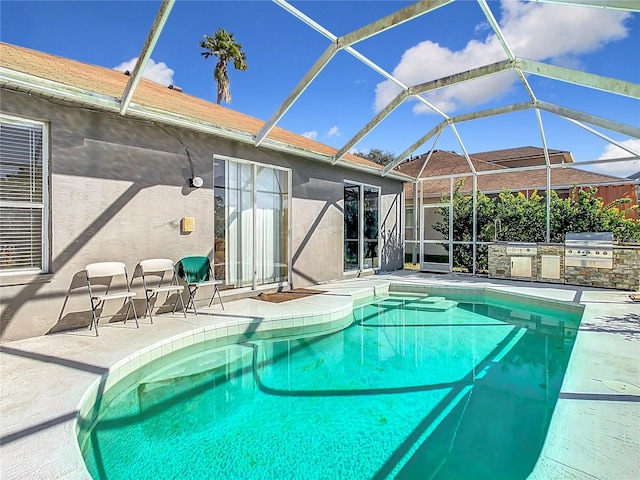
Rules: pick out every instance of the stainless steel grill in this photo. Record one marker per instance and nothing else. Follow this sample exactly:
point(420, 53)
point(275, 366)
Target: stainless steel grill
point(589, 249)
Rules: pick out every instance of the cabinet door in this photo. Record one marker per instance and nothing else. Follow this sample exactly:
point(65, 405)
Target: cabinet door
point(520, 266)
point(550, 266)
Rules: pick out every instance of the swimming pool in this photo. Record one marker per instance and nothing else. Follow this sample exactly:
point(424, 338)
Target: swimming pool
point(415, 387)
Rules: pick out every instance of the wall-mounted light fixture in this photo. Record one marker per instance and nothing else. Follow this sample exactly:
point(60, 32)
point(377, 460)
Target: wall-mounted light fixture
point(196, 182)
point(188, 225)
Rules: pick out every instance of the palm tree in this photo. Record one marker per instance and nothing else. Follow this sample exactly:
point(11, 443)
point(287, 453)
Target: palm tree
point(223, 46)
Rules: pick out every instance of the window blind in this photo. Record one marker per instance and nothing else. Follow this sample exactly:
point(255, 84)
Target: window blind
point(22, 198)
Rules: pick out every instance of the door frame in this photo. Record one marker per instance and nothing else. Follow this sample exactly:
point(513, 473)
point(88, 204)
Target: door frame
point(435, 266)
point(254, 168)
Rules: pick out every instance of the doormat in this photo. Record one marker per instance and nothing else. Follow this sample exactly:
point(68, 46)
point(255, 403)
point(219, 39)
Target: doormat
point(279, 297)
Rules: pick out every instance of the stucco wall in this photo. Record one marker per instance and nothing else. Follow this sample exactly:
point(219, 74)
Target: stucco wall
point(119, 188)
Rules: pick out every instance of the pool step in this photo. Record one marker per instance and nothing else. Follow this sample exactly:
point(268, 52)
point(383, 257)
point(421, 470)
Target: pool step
point(441, 306)
point(431, 300)
point(419, 303)
point(198, 363)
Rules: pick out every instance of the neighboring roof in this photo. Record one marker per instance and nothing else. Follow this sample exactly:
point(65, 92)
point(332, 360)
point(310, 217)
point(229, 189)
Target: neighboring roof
point(111, 83)
point(444, 163)
point(518, 153)
point(634, 176)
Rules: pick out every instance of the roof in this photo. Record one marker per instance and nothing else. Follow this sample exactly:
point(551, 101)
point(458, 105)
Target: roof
point(444, 163)
point(111, 83)
point(518, 153)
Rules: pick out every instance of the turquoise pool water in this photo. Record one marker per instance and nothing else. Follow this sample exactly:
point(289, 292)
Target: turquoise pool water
point(413, 389)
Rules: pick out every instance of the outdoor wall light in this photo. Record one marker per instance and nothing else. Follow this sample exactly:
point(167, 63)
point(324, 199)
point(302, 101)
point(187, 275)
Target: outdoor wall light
point(196, 182)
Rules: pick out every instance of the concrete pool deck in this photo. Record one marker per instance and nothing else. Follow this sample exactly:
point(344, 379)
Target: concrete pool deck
point(594, 431)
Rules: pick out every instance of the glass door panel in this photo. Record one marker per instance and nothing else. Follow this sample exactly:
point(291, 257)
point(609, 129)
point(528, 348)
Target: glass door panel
point(239, 224)
point(271, 225)
point(371, 209)
point(219, 220)
point(351, 227)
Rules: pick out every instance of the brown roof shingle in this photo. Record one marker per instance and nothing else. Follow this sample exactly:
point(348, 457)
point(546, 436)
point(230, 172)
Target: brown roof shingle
point(513, 154)
point(111, 83)
point(444, 163)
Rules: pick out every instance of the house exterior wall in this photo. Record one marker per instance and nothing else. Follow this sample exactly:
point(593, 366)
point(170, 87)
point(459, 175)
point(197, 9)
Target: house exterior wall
point(119, 187)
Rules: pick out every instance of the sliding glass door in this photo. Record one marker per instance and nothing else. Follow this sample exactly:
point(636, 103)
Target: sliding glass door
point(361, 226)
point(251, 222)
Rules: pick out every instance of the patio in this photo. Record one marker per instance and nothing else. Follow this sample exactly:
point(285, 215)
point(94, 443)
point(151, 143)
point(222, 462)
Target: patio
point(594, 431)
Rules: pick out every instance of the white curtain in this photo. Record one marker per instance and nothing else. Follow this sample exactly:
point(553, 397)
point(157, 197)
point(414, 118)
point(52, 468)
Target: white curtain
point(239, 215)
point(270, 225)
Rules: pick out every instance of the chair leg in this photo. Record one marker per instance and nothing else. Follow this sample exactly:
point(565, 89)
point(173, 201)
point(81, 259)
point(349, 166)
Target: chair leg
point(192, 298)
point(135, 314)
point(175, 304)
point(126, 315)
point(216, 290)
point(148, 310)
point(219, 297)
point(184, 310)
point(94, 321)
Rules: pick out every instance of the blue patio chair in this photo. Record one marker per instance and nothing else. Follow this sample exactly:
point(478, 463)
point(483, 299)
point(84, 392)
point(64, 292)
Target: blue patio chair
point(196, 272)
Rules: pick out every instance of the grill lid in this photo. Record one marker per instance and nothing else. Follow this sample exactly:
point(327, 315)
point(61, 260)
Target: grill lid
point(589, 237)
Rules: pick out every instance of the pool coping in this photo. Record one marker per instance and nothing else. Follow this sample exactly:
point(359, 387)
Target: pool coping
point(612, 420)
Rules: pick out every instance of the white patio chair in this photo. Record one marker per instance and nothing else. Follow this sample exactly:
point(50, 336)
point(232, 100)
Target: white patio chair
point(112, 281)
point(159, 276)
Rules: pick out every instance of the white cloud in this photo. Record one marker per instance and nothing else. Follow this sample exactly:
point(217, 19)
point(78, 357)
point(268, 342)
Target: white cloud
point(542, 32)
point(156, 72)
point(619, 169)
point(311, 135)
point(334, 132)
point(482, 27)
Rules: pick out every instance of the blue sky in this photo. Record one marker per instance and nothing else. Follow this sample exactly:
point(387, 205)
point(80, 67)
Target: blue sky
point(347, 94)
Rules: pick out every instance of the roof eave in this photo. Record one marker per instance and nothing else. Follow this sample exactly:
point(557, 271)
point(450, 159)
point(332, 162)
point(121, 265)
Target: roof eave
point(29, 83)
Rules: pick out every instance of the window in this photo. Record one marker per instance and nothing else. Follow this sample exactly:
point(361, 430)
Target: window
point(361, 226)
point(23, 196)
